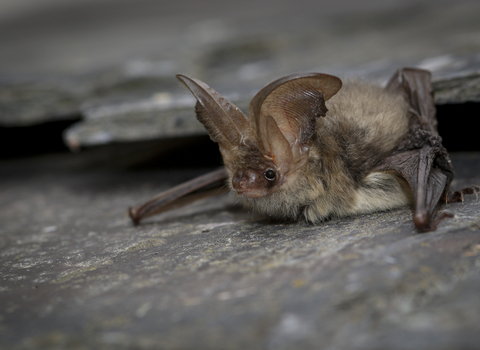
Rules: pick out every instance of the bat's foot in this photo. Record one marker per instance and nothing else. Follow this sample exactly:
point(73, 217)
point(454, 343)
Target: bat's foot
point(445, 214)
point(458, 196)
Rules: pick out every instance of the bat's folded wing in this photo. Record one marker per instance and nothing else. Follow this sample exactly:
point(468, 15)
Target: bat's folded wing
point(427, 182)
point(420, 159)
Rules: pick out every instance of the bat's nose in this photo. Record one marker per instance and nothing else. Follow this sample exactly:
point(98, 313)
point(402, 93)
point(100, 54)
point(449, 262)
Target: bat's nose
point(249, 183)
point(244, 179)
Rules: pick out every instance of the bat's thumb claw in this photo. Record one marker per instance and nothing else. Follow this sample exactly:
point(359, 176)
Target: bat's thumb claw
point(421, 220)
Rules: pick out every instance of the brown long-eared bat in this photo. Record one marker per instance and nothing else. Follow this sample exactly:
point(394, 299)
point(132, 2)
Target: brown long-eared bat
point(312, 149)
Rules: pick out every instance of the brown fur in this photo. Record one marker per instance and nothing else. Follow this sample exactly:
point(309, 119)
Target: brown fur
point(364, 123)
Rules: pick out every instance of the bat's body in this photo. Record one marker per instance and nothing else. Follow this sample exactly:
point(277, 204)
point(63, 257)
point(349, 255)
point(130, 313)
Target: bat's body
point(364, 124)
point(312, 149)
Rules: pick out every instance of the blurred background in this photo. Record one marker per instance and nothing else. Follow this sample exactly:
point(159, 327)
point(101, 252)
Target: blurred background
point(65, 37)
point(85, 73)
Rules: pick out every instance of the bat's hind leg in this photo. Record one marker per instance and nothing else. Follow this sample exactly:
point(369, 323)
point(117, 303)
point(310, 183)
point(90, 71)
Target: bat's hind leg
point(458, 196)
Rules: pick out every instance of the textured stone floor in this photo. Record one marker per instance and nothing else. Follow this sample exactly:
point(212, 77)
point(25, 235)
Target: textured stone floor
point(76, 274)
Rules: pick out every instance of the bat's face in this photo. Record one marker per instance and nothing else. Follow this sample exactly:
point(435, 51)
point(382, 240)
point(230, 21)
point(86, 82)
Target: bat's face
point(255, 183)
point(254, 174)
point(267, 186)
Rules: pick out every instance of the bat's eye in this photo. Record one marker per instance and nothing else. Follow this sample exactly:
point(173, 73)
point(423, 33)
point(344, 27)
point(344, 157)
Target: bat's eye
point(270, 175)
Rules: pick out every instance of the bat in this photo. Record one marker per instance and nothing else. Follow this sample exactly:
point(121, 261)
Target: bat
point(314, 148)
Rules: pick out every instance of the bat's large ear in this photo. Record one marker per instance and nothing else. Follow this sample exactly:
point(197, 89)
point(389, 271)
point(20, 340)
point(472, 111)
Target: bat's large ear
point(283, 115)
point(225, 122)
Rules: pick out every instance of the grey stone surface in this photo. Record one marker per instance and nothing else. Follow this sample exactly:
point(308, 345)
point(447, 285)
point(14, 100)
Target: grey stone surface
point(160, 116)
point(25, 102)
point(79, 36)
point(64, 54)
point(75, 274)
point(171, 115)
point(34, 102)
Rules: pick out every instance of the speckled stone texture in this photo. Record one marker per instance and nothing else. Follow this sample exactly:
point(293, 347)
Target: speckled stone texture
point(76, 274)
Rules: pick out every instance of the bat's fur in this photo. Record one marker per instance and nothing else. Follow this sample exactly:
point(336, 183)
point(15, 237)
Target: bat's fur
point(362, 125)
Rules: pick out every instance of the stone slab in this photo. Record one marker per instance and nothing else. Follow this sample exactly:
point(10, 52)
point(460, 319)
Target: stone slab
point(76, 274)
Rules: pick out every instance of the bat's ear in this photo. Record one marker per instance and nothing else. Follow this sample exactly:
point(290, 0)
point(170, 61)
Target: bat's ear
point(283, 114)
point(225, 122)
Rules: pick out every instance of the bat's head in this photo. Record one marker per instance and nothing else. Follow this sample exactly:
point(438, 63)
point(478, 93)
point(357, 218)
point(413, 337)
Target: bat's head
point(265, 153)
